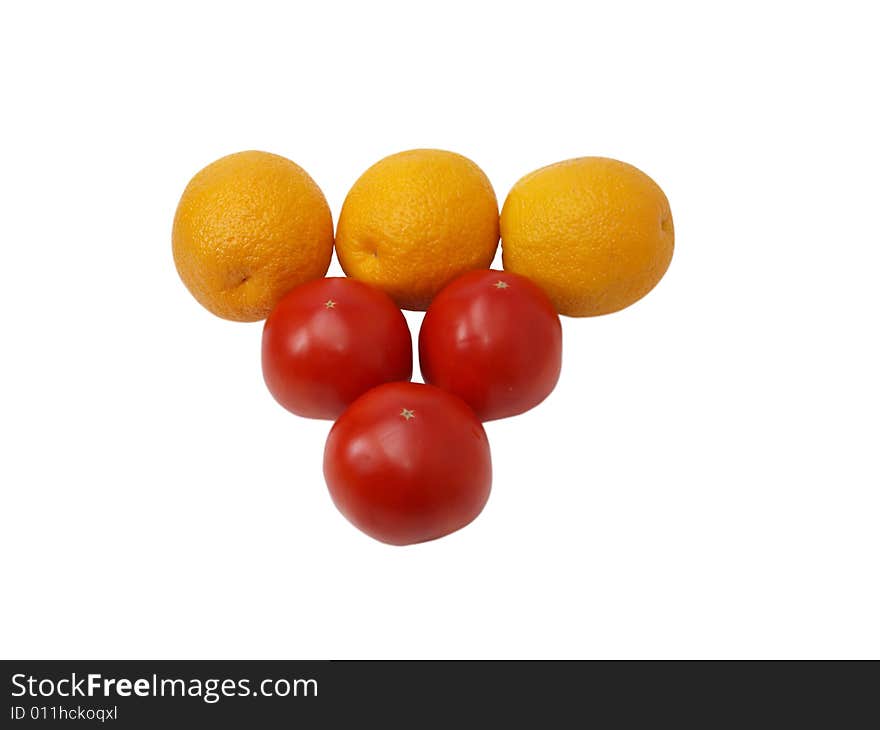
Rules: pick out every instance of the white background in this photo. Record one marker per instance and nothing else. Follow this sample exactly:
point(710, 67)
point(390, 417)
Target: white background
point(702, 483)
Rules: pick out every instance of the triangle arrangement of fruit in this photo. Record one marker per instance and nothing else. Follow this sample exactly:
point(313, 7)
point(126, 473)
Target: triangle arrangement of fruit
point(408, 462)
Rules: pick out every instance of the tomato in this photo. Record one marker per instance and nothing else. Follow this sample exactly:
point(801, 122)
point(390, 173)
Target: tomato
point(494, 339)
point(407, 463)
point(329, 341)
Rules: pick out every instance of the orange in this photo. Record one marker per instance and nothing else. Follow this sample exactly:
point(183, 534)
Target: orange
point(416, 220)
point(250, 227)
point(596, 234)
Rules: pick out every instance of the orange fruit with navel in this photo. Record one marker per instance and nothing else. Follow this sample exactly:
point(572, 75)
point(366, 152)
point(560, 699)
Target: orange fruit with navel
point(249, 228)
point(594, 233)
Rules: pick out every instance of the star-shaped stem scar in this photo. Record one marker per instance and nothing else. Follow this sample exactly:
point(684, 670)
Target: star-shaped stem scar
point(501, 284)
point(329, 304)
point(407, 413)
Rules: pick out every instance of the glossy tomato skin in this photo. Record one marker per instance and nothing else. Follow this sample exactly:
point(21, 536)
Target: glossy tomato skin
point(331, 340)
point(408, 463)
point(494, 339)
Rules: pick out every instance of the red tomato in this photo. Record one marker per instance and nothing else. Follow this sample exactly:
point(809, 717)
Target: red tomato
point(329, 341)
point(494, 339)
point(408, 463)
